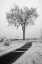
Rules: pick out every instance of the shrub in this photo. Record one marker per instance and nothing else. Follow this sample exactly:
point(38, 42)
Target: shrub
point(7, 42)
point(1, 39)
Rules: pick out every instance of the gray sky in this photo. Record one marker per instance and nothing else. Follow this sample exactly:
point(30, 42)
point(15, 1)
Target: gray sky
point(31, 31)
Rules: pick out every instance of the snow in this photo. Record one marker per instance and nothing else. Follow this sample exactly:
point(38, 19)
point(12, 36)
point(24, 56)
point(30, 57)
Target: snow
point(13, 46)
point(31, 56)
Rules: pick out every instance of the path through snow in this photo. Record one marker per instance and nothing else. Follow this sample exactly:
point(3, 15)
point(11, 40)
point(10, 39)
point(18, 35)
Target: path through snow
point(31, 56)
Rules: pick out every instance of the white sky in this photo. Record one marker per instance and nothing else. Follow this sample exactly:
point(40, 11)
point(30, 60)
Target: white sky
point(31, 31)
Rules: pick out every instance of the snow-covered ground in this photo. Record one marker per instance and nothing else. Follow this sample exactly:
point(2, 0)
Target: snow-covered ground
point(13, 46)
point(31, 56)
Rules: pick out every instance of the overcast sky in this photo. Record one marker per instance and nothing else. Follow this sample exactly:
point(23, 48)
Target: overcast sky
point(32, 31)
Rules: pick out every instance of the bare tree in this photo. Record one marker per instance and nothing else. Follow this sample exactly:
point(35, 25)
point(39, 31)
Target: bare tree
point(21, 16)
point(41, 33)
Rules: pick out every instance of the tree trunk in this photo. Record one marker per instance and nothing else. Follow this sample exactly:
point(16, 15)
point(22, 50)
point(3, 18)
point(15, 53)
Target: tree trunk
point(23, 28)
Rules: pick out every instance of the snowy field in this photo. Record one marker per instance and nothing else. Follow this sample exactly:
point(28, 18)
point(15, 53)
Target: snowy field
point(13, 45)
point(31, 56)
